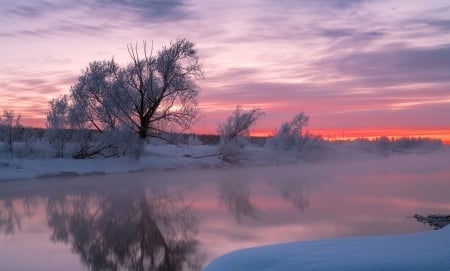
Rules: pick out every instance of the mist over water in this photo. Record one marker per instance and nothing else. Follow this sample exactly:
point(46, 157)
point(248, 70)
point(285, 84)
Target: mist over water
point(183, 219)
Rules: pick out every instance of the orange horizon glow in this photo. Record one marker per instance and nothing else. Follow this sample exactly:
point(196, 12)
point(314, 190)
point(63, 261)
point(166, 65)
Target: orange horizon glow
point(353, 134)
point(327, 134)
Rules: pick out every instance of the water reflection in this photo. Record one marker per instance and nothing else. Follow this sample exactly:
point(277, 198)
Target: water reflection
point(235, 192)
point(235, 196)
point(145, 221)
point(13, 210)
point(9, 217)
point(295, 192)
point(118, 230)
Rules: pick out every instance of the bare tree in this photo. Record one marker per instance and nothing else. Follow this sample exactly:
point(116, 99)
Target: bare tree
point(149, 91)
point(10, 123)
point(238, 125)
point(160, 88)
point(92, 105)
point(149, 96)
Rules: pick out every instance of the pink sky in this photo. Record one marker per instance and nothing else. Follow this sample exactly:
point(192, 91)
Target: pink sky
point(356, 67)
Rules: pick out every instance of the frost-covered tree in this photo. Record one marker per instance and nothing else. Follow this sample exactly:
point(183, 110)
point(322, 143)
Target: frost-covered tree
point(234, 133)
point(238, 125)
point(10, 124)
point(150, 90)
point(292, 135)
point(57, 123)
point(149, 96)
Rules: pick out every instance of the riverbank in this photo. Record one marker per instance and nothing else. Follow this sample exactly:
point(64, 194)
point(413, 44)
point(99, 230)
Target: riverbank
point(413, 252)
point(171, 157)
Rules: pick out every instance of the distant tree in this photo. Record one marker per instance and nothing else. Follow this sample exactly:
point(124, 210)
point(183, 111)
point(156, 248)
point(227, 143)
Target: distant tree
point(238, 125)
point(10, 123)
point(291, 135)
point(57, 123)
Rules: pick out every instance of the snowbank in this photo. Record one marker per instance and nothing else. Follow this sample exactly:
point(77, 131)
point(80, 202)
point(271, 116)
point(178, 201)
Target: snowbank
point(420, 251)
point(168, 157)
point(156, 157)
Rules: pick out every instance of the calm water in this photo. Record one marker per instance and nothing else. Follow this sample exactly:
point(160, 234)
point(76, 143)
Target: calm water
point(175, 219)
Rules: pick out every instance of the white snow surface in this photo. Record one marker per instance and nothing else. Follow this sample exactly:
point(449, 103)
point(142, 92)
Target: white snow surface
point(419, 251)
point(156, 157)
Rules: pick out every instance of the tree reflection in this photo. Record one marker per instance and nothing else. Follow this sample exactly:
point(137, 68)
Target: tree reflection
point(11, 214)
point(296, 193)
point(235, 192)
point(119, 231)
point(235, 195)
point(10, 218)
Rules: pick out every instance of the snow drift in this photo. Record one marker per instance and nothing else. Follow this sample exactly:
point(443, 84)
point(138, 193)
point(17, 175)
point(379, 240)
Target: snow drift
point(419, 251)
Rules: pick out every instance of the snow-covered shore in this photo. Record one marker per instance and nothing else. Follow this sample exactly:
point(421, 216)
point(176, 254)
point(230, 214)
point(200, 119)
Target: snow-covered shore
point(170, 157)
point(419, 251)
point(156, 157)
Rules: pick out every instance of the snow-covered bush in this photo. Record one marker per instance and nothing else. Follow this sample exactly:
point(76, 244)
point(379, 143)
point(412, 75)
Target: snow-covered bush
point(235, 133)
point(120, 142)
point(236, 129)
point(291, 135)
point(232, 153)
point(30, 145)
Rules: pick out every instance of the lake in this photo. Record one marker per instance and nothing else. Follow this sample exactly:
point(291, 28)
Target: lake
point(182, 219)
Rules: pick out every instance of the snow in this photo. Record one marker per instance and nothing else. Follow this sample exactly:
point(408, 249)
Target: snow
point(156, 157)
point(419, 251)
point(170, 157)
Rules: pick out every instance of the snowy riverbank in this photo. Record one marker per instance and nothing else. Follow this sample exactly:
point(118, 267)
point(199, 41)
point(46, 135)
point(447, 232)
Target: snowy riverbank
point(156, 157)
point(419, 251)
point(170, 157)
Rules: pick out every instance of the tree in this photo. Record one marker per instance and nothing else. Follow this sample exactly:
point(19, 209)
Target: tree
point(238, 124)
point(145, 95)
point(291, 134)
point(57, 123)
point(10, 123)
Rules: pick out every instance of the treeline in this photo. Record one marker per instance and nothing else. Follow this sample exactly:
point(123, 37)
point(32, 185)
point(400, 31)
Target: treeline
point(21, 142)
point(386, 145)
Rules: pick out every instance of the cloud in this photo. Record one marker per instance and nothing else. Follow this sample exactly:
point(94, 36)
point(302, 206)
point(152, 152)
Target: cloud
point(149, 10)
point(349, 32)
point(61, 28)
point(322, 4)
point(443, 25)
point(87, 17)
point(28, 93)
point(35, 10)
point(395, 66)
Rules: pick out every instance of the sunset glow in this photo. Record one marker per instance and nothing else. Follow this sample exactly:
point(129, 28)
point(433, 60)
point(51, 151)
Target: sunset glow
point(358, 68)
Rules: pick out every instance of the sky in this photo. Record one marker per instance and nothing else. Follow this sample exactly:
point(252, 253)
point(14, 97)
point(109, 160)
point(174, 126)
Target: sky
point(356, 67)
